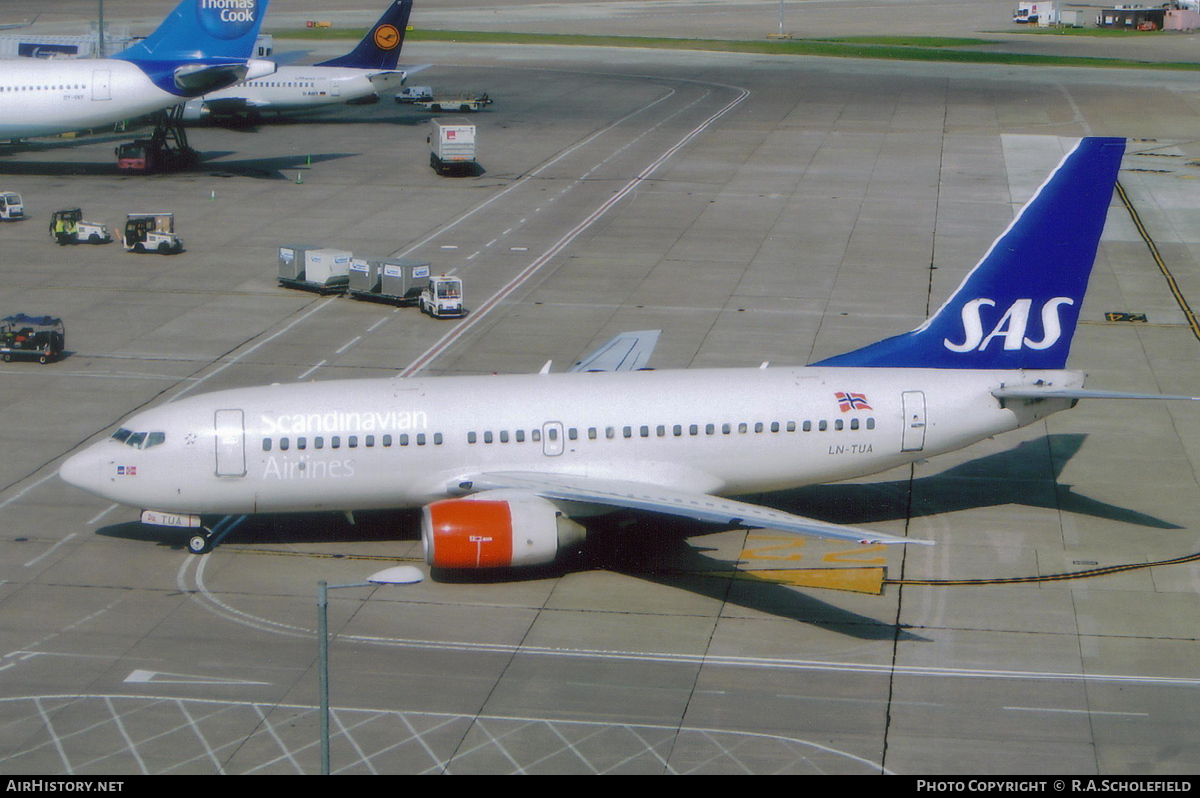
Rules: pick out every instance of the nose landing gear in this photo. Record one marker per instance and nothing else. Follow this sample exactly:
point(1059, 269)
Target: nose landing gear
point(203, 543)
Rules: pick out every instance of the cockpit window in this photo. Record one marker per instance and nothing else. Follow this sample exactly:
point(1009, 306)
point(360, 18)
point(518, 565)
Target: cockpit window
point(139, 440)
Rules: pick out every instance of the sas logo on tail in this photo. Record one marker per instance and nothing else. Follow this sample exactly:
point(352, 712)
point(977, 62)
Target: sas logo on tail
point(1011, 327)
point(227, 19)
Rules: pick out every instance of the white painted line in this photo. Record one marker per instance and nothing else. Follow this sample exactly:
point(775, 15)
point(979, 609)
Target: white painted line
point(50, 551)
point(349, 344)
point(102, 513)
point(478, 314)
point(321, 306)
point(37, 484)
point(568, 151)
point(1077, 711)
point(311, 370)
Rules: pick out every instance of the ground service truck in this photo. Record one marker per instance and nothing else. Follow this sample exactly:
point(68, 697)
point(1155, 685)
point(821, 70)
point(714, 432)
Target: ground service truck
point(452, 145)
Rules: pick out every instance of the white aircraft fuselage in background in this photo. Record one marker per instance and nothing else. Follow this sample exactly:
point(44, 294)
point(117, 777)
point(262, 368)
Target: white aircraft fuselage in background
point(199, 47)
point(366, 70)
point(42, 98)
point(297, 89)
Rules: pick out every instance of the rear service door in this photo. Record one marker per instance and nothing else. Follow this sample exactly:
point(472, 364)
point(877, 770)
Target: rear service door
point(101, 89)
point(914, 421)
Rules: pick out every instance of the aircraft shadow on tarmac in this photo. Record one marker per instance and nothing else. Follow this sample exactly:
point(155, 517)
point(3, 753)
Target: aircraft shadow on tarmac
point(210, 163)
point(253, 123)
point(1027, 475)
point(657, 548)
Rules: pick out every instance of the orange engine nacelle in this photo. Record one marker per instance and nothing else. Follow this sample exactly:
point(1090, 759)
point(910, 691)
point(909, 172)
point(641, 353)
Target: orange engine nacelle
point(495, 529)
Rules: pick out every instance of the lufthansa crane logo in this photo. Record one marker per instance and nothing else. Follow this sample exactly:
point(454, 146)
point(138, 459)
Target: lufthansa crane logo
point(387, 37)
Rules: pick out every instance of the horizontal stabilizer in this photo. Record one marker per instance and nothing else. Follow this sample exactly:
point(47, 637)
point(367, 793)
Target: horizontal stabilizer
point(1027, 392)
point(193, 79)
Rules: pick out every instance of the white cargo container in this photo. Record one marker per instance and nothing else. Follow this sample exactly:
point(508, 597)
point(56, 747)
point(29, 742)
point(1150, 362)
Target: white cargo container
point(327, 267)
point(451, 145)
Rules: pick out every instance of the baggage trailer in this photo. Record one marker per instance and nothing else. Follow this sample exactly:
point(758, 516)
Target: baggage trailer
point(31, 337)
point(393, 282)
point(463, 103)
point(317, 269)
point(451, 145)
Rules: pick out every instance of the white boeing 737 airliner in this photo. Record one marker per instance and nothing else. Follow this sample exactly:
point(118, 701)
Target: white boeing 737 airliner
point(501, 464)
point(201, 46)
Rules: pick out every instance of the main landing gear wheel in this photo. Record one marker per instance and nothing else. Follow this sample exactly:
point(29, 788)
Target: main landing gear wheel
point(199, 544)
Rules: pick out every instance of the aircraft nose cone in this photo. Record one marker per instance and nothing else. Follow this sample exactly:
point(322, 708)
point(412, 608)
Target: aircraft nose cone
point(82, 470)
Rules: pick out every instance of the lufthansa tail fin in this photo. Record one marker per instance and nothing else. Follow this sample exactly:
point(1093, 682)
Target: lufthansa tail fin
point(380, 48)
point(1018, 307)
point(202, 31)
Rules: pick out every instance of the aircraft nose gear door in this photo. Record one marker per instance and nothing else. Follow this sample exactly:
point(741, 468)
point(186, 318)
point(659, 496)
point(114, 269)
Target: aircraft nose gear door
point(230, 442)
point(914, 421)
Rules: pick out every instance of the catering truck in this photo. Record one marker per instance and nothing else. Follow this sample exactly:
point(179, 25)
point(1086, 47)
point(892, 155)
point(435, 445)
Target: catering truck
point(451, 145)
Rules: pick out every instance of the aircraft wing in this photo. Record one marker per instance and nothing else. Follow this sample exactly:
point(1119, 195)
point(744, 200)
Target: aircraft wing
point(628, 351)
point(671, 501)
point(12, 25)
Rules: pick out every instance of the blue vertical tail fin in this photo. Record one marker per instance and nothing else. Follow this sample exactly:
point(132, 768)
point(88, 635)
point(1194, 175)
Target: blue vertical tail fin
point(203, 31)
point(1018, 307)
point(380, 48)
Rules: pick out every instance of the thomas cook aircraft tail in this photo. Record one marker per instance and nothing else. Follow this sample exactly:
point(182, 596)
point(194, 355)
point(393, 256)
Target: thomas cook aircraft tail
point(201, 46)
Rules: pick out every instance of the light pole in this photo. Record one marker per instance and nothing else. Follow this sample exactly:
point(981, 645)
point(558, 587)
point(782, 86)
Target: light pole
point(400, 575)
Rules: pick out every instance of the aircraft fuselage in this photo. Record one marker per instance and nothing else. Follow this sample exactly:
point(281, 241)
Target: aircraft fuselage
point(387, 443)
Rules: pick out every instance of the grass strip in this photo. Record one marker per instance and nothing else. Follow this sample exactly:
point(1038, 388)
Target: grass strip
point(912, 48)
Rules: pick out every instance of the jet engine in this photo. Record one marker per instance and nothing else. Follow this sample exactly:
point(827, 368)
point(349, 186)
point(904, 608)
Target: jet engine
point(496, 529)
point(195, 110)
